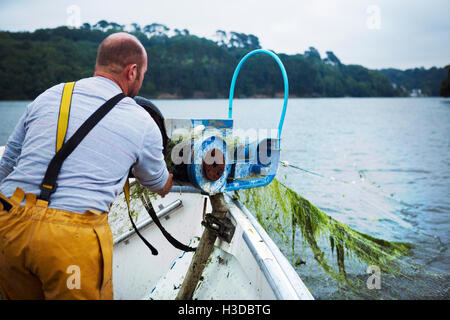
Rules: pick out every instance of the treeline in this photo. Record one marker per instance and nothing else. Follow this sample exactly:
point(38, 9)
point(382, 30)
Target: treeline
point(181, 65)
point(428, 81)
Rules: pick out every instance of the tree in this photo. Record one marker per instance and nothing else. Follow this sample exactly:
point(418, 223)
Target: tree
point(101, 25)
point(445, 86)
point(237, 40)
point(156, 30)
point(313, 53)
point(183, 32)
point(332, 59)
point(117, 26)
point(241, 40)
point(253, 42)
point(222, 37)
point(85, 26)
point(136, 27)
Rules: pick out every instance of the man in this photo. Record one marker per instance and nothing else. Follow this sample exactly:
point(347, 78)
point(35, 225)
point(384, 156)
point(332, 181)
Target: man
point(62, 248)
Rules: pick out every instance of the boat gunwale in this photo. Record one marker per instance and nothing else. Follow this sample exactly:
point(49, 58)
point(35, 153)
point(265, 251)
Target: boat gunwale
point(295, 281)
point(287, 285)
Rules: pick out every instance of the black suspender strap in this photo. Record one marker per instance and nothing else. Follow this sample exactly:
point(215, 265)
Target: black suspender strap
point(6, 205)
point(149, 207)
point(174, 242)
point(48, 185)
point(126, 192)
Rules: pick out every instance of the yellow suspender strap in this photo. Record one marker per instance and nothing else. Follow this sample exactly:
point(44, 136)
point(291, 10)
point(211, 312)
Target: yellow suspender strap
point(126, 192)
point(63, 123)
point(64, 111)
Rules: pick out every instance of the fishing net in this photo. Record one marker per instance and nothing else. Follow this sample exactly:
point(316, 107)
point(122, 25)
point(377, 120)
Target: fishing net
point(276, 206)
point(335, 260)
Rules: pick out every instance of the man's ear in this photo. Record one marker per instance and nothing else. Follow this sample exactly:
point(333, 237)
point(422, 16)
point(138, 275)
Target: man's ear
point(133, 72)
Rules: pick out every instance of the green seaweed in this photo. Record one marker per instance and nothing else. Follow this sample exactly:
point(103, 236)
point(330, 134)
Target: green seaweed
point(137, 191)
point(277, 206)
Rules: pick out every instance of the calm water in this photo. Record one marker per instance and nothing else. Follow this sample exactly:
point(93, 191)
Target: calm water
point(384, 168)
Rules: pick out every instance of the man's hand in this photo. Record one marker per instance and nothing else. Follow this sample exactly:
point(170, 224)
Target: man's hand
point(167, 186)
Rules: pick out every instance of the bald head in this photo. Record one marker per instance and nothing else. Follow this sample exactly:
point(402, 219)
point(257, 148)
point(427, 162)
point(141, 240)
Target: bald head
point(119, 50)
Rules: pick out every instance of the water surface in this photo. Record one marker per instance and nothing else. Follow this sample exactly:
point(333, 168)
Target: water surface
point(382, 166)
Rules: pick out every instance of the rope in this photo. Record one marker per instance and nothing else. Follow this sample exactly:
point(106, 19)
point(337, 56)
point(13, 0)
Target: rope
point(385, 213)
point(287, 164)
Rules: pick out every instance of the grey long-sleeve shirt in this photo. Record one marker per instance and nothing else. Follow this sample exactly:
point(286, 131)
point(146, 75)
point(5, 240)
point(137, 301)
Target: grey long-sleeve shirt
point(94, 174)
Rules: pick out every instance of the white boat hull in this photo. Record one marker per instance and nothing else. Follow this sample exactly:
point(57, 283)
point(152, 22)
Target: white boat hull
point(249, 267)
point(245, 268)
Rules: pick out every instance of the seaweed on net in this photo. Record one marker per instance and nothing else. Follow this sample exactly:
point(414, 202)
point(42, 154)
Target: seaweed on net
point(277, 206)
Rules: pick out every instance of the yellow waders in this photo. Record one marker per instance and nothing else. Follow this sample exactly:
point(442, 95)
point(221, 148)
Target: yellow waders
point(47, 253)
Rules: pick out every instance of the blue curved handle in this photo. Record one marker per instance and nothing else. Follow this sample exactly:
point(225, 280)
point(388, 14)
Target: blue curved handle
point(285, 79)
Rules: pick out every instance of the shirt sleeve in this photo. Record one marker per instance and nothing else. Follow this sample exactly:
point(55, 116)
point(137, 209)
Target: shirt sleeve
point(150, 168)
point(13, 149)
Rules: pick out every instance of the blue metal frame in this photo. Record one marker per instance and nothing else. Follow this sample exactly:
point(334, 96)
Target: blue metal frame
point(285, 79)
point(244, 168)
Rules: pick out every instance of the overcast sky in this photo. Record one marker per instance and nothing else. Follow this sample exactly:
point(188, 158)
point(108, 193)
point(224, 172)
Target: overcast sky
point(374, 33)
